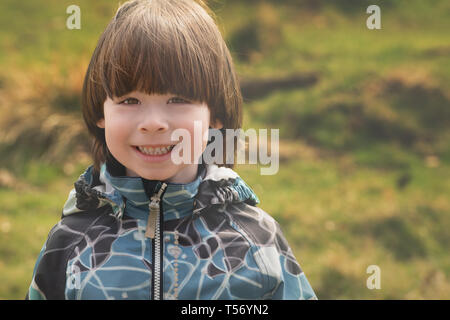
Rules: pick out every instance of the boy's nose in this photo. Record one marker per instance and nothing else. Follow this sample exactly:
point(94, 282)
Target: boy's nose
point(153, 121)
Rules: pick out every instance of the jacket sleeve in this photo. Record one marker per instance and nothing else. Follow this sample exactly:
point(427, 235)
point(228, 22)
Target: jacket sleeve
point(34, 293)
point(49, 274)
point(292, 283)
point(284, 278)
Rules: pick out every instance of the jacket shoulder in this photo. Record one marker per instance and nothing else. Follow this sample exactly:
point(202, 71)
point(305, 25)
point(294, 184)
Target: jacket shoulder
point(284, 278)
point(260, 227)
point(50, 271)
point(265, 233)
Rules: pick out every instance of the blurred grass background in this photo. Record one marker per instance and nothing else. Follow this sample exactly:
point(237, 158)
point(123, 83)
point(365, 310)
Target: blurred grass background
point(364, 152)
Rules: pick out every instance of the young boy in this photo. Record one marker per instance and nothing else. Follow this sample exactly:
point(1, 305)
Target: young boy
point(137, 225)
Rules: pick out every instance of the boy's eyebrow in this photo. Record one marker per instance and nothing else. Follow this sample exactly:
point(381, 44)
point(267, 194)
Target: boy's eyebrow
point(138, 93)
point(127, 94)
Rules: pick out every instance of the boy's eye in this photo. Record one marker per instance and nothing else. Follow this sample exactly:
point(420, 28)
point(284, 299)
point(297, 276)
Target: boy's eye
point(177, 100)
point(130, 101)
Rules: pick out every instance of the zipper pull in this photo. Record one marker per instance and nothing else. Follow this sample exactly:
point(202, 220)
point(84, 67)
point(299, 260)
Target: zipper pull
point(154, 213)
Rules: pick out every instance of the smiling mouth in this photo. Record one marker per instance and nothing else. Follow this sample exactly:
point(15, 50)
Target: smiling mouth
point(155, 151)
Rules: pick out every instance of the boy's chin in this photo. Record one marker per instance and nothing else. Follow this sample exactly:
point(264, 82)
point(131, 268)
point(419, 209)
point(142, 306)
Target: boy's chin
point(160, 174)
point(157, 174)
point(178, 174)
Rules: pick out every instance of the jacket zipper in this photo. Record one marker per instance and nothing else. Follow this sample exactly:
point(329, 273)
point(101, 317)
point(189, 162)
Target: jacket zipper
point(153, 232)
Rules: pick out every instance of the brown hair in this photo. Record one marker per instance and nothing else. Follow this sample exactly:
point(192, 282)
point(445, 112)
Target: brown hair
point(160, 47)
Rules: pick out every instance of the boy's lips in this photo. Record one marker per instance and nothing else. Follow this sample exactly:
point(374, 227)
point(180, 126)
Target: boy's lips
point(153, 155)
point(155, 149)
point(155, 145)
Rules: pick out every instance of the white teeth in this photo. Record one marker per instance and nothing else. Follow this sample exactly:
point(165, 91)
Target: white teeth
point(155, 151)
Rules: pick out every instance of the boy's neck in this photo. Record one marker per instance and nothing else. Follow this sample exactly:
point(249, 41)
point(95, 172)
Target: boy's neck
point(184, 176)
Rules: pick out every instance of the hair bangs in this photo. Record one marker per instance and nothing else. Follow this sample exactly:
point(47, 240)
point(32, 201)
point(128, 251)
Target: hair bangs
point(147, 54)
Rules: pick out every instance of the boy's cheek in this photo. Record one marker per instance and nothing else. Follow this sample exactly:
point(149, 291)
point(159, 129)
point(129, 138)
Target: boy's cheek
point(199, 132)
point(119, 124)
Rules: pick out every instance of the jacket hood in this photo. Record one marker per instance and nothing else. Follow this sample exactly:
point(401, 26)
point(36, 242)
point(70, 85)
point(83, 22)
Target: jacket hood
point(218, 186)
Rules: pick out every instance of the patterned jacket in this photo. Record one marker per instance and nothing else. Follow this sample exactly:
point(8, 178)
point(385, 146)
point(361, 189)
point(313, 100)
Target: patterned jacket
point(132, 238)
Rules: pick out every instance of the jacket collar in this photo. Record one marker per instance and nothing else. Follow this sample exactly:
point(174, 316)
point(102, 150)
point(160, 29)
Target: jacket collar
point(214, 186)
point(138, 191)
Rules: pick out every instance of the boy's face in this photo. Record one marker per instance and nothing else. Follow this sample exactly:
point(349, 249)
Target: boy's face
point(139, 120)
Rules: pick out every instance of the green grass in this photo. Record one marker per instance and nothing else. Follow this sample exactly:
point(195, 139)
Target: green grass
point(25, 221)
point(363, 177)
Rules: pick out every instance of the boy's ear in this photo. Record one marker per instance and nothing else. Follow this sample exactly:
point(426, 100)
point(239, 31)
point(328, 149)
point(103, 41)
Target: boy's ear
point(101, 123)
point(217, 124)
